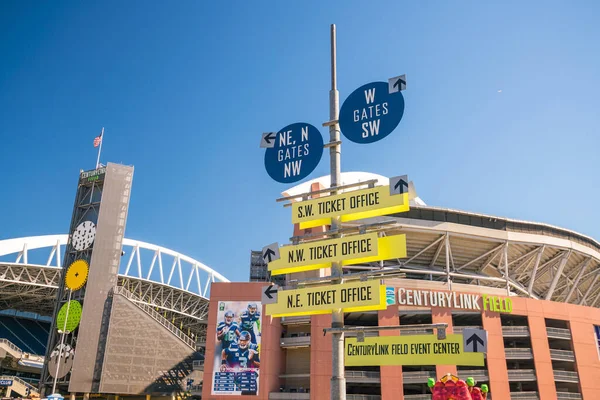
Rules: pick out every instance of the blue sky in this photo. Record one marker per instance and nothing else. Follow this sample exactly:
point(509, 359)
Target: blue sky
point(185, 89)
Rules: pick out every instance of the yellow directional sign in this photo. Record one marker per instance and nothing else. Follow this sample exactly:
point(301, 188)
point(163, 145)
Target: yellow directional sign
point(349, 250)
point(409, 350)
point(350, 206)
point(352, 297)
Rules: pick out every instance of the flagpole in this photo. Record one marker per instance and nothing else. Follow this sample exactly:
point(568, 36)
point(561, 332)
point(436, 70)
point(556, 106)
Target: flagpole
point(100, 148)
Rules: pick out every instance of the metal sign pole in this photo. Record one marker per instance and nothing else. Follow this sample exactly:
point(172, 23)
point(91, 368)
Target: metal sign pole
point(338, 380)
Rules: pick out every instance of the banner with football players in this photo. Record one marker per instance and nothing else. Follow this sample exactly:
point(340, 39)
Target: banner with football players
point(237, 349)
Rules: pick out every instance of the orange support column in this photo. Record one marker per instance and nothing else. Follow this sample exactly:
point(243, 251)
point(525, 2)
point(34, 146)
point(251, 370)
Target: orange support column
point(541, 357)
point(441, 315)
point(586, 356)
point(320, 357)
point(496, 359)
point(391, 375)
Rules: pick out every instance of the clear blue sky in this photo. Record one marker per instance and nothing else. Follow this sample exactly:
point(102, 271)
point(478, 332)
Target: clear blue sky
point(184, 90)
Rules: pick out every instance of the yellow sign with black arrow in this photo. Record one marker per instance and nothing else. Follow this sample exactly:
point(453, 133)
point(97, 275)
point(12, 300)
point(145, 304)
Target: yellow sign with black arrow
point(349, 206)
point(352, 297)
point(409, 350)
point(349, 250)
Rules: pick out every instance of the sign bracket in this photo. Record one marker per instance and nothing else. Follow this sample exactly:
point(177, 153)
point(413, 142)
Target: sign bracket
point(357, 228)
point(360, 330)
point(327, 190)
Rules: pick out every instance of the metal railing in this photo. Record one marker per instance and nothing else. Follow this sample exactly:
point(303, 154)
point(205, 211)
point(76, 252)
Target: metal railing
point(362, 374)
point(515, 331)
point(295, 341)
point(363, 397)
point(120, 290)
point(518, 353)
point(11, 346)
point(417, 376)
point(303, 320)
point(459, 329)
point(32, 389)
point(417, 397)
point(524, 396)
point(558, 333)
point(568, 396)
point(566, 376)
point(562, 355)
point(289, 396)
point(477, 374)
point(517, 375)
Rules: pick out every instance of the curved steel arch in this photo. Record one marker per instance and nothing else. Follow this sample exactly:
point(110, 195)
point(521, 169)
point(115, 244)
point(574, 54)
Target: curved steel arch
point(28, 286)
point(184, 265)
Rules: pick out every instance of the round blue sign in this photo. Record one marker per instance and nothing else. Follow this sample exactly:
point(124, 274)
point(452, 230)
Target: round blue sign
point(297, 151)
point(371, 113)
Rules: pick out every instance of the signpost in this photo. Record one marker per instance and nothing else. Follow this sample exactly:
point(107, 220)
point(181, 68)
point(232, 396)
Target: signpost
point(409, 350)
point(350, 206)
point(349, 250)
point(296, 152)
point(371, 113)
point(351, 297)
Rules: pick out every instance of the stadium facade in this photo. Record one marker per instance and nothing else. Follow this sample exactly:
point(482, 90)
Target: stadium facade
point(533, 287)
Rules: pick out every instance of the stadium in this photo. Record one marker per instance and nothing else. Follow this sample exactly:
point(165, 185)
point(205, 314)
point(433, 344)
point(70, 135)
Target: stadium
point(152, 299)
point(535, 287)
point(543, 331)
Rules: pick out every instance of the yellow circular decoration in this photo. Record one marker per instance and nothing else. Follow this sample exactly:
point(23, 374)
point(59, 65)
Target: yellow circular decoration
point(77, 274)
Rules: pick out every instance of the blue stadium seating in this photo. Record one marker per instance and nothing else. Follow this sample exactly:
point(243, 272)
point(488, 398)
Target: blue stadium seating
point(30, 335)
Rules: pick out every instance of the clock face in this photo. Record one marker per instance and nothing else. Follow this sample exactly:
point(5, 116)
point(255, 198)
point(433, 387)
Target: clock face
point(61, 360)
point(76, 275)
point(69, 316)
point(84, 235)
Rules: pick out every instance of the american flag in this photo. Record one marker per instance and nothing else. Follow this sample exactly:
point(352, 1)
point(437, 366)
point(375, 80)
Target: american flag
point(97, 140)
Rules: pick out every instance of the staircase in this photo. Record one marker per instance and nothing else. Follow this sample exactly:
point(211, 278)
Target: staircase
point(173, 380)
point(20, 386)
point(24, 358)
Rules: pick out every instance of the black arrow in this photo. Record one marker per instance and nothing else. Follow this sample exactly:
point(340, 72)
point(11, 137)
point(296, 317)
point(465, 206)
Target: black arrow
point(399, 83)
point(475, 339)
point(268, 137)
point(400, 186)
point(269, 253)
point(270, 292)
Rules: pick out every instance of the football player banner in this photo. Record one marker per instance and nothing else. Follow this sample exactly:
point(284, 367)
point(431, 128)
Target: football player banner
point(237, 348)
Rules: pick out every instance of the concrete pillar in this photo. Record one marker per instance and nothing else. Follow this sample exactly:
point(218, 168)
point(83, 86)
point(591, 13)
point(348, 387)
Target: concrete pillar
point(320, 357)
point(72, 396)
point(438, 316)
point(8, 391)
point(496, 359)
point(541, 357)
point(86, 396)
point(392, 387)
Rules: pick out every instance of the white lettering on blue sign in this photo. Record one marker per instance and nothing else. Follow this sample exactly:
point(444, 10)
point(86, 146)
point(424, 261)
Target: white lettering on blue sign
point(296, 154)
point(370, 113)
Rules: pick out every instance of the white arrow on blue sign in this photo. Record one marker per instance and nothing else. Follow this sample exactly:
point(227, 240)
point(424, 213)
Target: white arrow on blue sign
point(295, 154)
point(371, 113)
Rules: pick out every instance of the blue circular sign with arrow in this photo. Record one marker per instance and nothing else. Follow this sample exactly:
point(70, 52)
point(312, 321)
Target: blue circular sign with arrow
point(371, 112)
point(295, 154)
